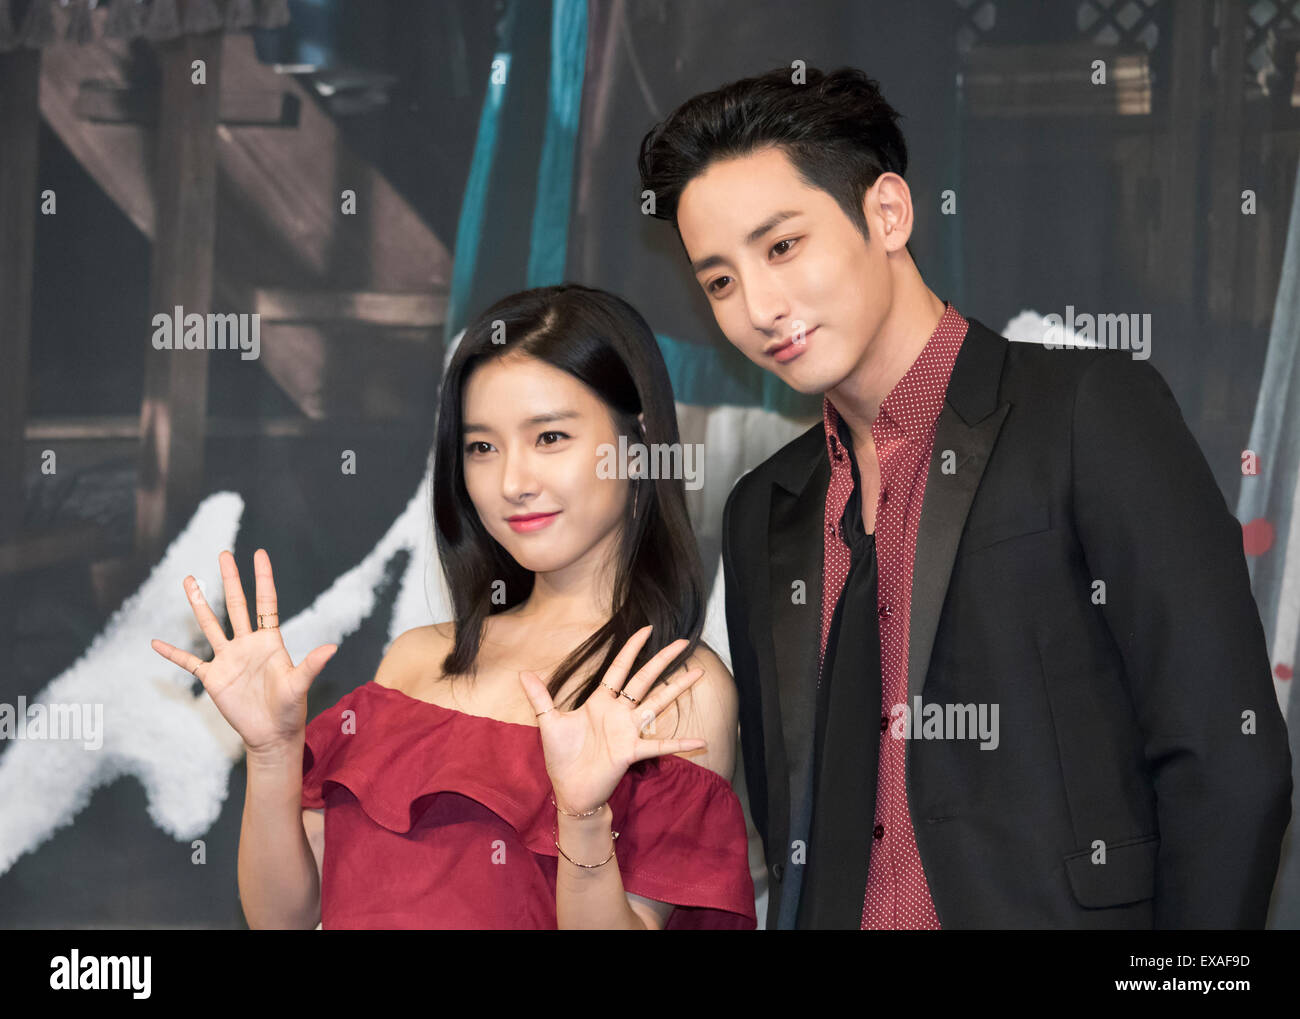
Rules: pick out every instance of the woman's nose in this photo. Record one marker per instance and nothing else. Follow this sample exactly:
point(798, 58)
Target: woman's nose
point(518, 481)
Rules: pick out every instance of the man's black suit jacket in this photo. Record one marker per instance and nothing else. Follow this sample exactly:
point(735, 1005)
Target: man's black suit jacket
point(1076, 565)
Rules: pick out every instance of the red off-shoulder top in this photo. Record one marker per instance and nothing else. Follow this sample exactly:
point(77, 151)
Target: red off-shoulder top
point(439, 819)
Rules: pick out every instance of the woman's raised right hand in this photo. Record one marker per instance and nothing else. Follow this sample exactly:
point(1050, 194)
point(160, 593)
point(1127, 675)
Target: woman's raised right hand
point(252, 680)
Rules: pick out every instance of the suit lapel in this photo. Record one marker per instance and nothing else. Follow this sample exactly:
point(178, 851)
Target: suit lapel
point(795, 544)
point(794, 553)
point(968, 426)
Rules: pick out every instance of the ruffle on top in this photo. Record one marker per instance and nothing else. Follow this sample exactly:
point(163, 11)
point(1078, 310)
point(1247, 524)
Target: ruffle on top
point(682, 836)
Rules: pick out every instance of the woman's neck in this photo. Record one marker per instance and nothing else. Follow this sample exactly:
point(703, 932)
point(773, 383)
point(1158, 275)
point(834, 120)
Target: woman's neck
point(582, 592)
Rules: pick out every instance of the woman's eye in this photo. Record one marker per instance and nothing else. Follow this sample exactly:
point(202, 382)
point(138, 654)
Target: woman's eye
point(713, 287)
point(550, 438)
point(478, 447)
point(789, 240)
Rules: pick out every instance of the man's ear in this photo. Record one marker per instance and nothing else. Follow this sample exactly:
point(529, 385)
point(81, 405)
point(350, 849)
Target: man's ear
point(887, 206)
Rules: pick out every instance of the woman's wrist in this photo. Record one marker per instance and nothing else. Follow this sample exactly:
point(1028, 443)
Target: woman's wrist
point(563, 807)
point(587, 842)
point(278, 751)
point(601, 818)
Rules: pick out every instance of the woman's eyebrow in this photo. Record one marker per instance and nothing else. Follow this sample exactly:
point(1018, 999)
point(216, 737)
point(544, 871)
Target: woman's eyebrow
point(536, 419)
point(555, 415)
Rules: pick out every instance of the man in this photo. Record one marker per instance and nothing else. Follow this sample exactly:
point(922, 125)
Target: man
point(1029, 686)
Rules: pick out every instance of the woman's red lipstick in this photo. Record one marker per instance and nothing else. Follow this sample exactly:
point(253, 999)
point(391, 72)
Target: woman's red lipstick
point(530, 521)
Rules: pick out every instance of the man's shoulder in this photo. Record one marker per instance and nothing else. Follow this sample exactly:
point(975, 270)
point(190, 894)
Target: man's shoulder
point(1054, 374)
point(741, 528)
point(795, 454)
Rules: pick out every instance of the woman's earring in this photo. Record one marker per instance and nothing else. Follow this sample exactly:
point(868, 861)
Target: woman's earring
point(636, 489)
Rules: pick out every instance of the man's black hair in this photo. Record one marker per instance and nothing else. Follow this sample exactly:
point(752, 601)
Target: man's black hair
point(835, 128)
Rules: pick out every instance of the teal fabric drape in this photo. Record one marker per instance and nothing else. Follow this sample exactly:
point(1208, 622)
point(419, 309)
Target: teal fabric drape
point(550, 234)
point(473, 209)
point(543, 165)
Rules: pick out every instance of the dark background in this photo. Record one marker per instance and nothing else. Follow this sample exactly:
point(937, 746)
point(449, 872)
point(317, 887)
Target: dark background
point(1061, 200)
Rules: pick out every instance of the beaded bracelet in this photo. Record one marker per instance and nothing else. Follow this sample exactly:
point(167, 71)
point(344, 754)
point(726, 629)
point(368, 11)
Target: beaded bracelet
point(570, 813)
point(555, 834)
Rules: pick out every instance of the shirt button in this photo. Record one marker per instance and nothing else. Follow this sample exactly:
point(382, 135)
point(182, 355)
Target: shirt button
point(878, 832)
point(884, 495)
point(884, 610)
point(884, 722)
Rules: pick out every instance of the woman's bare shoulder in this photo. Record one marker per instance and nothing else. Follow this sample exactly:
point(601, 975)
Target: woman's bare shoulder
point(708, 711)
point(413, 653)
point(704, 657)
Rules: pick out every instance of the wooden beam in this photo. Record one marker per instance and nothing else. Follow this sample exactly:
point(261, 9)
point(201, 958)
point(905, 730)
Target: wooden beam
point(124, 428)
point(284, 187)
point(103, 102)
point(1177, 240)
point(1054, 80)
point(19, 131)
point(1227, 302)
point(175, 402)
point(420, 310)
point(279, 191)
point(71, 543)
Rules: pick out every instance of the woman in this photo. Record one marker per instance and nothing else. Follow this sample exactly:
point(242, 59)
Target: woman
point(509, 769)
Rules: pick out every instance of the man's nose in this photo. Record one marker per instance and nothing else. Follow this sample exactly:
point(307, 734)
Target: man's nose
point(766, 302)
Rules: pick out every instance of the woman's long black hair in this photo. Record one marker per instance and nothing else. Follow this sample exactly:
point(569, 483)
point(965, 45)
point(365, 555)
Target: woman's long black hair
point(603, 342)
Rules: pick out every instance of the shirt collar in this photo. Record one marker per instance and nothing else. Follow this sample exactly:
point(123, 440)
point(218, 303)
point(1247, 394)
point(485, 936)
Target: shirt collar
point(916, 400)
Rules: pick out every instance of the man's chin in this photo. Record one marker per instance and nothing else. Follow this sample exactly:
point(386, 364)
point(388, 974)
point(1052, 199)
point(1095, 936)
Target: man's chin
point(808, 383)
point(804, 375)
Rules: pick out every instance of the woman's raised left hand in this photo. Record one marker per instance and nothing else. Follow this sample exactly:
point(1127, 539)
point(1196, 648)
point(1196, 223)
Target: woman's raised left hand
point(588, 750)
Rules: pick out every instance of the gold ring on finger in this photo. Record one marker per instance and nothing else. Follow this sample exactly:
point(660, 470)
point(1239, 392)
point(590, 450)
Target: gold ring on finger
point(610, 688)
point(628, 696)
point(268, 626)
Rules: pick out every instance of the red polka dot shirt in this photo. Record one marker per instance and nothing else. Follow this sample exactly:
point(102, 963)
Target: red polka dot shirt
point(897, 895)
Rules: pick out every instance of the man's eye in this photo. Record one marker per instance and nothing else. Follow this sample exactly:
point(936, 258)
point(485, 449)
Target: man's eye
point(713, 284)
point(478, 447)
point(550, 438)
point(789, 240)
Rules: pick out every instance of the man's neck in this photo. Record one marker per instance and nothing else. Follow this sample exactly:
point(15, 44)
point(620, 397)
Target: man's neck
point(892, 351)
